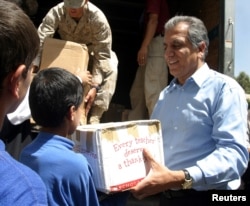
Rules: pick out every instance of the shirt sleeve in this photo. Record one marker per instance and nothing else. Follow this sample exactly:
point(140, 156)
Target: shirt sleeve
point(100, 46)
point(230, 157)
point(153, 6)
point(47, 28)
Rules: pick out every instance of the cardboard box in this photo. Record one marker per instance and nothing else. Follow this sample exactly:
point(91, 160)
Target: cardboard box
point(114, 151)
point(68, 55)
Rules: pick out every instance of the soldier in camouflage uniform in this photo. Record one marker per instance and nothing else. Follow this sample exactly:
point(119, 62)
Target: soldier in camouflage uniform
point(82, 22)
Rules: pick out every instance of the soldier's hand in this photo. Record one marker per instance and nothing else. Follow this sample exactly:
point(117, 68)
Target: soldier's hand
point(85, 76)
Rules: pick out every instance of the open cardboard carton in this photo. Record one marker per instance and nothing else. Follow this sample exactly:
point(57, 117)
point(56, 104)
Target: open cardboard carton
point(114, 151)
point(67, 55)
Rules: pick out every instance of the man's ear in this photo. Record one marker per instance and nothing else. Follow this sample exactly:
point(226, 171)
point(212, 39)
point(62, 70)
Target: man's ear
point(15, 80)
point(202, 48)
point(71, 112)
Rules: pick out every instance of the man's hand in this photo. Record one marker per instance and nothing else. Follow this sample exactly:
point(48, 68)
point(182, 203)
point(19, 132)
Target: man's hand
point(142, 56)
point(89, 99)
point(85, 76)
point(159, 179)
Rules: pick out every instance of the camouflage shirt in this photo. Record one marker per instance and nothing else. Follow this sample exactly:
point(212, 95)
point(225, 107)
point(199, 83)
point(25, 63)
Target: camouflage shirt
point(93, 30)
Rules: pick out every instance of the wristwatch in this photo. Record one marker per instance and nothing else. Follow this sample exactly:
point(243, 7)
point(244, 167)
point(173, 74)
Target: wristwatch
point(188, 181)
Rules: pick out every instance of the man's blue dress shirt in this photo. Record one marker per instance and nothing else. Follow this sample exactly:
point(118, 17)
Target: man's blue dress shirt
point(204, 126)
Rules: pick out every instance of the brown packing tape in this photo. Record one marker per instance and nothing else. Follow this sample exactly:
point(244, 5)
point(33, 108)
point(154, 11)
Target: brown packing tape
point(153, 128)
point(133, 130)
point(109, 134)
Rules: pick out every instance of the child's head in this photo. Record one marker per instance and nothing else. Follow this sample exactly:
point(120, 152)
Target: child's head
point(19, 45)
point(55, 96)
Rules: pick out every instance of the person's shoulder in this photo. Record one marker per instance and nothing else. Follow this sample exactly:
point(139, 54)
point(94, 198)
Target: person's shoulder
point(63, 149)
point(58, 6)
point(22, 183)
point(74, 163)
point(78, 160)
point(224, 80)
point(95, 12)
point(92, 7)
point(58, 9)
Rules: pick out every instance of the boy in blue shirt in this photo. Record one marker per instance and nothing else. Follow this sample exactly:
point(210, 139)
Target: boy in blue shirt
point(55, 98)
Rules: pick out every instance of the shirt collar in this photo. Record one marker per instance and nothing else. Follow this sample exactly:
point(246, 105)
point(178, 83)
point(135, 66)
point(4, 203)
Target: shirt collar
point(173, 84)
point(2, 145)
point(198, 77)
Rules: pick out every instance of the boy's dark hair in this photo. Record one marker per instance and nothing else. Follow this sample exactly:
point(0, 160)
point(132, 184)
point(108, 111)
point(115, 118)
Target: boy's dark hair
point(52, 92)
point(19, 41)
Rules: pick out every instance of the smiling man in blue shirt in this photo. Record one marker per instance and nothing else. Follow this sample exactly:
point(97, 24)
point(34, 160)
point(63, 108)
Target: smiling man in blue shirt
point(204, 122)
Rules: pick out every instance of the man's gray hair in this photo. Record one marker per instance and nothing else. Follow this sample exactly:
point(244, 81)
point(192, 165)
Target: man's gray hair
point(197, 31)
